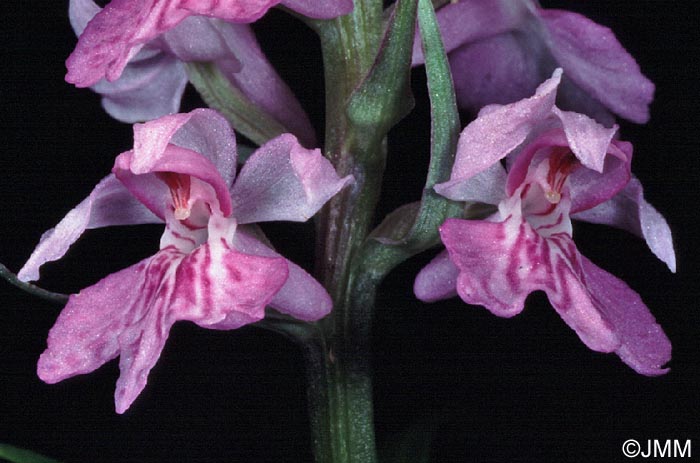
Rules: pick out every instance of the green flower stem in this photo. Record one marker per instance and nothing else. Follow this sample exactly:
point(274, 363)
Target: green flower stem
point(340, 385)
point(338, 358)
point(349, 44)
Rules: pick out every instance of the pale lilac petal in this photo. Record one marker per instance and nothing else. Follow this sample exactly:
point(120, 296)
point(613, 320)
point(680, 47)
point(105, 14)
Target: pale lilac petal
point(629, 211)
point(108, 204)
point(301, 296)
point(500, 131)
point(203, 130)
point(147, 89)
point(259, 81)
point(587, 139)
point(470, 20)
point(284, 181)
point(437, 280)
point(486, 187)
point(573, 98)
point(197, 39)
point(501, 69)
point(593, 58)
point(643, 344)
point(115, 35)
point(80, 12)
point(320, 9)
point(242, 11)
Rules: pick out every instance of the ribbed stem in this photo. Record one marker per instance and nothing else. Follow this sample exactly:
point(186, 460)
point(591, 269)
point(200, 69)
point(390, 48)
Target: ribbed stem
point(339, 358)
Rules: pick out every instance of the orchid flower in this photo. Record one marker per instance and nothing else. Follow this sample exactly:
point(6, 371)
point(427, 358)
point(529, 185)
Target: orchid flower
point(132, 53)
point(211, 268)
point(500, 50)
point(561, 165)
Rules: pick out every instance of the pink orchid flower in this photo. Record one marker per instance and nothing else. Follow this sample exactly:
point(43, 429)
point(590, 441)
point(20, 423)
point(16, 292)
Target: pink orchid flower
point(132, 53)
point(500, 50)
point(210, 269)
point(561, 165)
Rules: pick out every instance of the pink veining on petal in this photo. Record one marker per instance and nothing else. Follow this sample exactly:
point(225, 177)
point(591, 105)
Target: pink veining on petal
point(130, 312)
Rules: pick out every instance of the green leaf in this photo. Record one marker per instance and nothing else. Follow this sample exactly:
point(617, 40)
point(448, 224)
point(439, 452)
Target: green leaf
point(18, 455)
point(384, 96)
point(394, 240)
point(58, 298)
point(444, 129)
point(218, 93)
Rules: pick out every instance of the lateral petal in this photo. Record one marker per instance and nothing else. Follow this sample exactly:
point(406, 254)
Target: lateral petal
point(596, 61)
point(259, 81)
point(109, 203)
point(284, 181)
point(147, 89)
point(202, 130)
point(587, 139)
point(629, 211)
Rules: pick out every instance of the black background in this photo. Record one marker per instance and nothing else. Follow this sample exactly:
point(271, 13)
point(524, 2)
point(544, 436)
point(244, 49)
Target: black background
point(524, 389)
